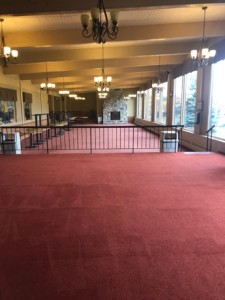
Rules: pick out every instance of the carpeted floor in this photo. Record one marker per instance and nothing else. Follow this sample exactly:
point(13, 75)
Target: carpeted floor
point(112, 227)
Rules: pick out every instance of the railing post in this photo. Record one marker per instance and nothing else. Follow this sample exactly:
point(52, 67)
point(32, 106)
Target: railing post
point(211, 142)
point(133, 141)
point(47, 143)
point(207, 142)
point(90, 141)
point(180, 138)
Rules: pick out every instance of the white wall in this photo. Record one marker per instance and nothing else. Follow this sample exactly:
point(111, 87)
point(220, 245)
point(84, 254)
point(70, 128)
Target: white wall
point(131, 105)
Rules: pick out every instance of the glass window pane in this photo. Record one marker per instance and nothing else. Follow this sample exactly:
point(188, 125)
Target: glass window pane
point(217, 109)
point(148, 105)
point(164, 102)
point(177, 99)
point(7, 112)
point(190, 100)
point(139, 106)
point(27, 110)
point(161, 103)
point(157, 105)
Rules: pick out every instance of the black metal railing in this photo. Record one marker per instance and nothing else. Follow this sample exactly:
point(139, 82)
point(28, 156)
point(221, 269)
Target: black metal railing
point(209, 133)
point(98, 138)
point(59, 117)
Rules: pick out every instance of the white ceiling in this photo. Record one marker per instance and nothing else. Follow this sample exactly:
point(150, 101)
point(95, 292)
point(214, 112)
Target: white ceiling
point(145, 33)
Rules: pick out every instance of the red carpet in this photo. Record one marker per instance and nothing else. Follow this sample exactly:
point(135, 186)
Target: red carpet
point(112, 227)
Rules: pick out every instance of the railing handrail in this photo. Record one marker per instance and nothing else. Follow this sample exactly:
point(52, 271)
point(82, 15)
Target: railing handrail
point(66, 136)
point(93, 126)
point(210, 129)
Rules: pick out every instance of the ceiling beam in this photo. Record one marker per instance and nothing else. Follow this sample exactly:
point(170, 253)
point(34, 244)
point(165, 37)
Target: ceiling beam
point(91, 72)
point(118, 76)
point(24, 7)
point(79, 65)
point(160, 32)
point(109, 52)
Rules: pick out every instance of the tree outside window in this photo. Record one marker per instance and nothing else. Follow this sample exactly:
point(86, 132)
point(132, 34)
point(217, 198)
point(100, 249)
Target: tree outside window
point(184, 108)
point(177, 101)
point(217, 107)
point(148, 105)
point(190, 100)
point(161, 103)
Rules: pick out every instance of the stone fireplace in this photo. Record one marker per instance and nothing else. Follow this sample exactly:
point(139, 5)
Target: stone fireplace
point(115, 108)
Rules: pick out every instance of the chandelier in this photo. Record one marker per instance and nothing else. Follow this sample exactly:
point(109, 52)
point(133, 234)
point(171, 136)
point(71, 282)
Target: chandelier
point(64, 91)
point(100, 24)
point(47, 86)
point(103, 82)
point(7, 55)
point(142, 91)
point(203, 55)
point(102, 95)
point(157, 85)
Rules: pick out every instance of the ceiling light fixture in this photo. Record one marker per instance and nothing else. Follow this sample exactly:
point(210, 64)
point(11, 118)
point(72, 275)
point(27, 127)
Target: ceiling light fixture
point(141, 92)
point(130, 96)
point(74, 96)
point(100, 24)
point(157, 85)
point(47, 86)
point(7, 55)
point(202, 56)
point(103, 82)
point(63, 91)
point(102, 95)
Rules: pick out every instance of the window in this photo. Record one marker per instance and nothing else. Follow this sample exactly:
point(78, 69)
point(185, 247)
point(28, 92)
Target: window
point(190, 100)
point(7, 106)
point(148, 105)
point(184, 107)
point(157, 104)
point(139, 105)
point(217, 101)
point(177, 101)
point(164, 102)
point(7, 112)
point(161, 103)
point(27, 110)
point(27, 102)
